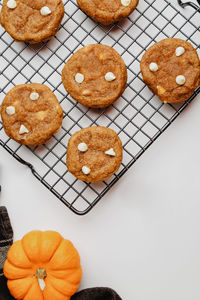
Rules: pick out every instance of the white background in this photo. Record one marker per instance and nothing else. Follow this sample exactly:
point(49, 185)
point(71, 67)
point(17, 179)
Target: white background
point(143, 238)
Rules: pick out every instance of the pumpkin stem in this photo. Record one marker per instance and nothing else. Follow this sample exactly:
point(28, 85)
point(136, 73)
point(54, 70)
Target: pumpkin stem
point(41, 274)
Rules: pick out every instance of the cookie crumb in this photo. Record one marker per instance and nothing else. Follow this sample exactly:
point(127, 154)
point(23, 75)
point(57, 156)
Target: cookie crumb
point(161, 90)
point(41, 115)
point(86, 92)
point(101, 56)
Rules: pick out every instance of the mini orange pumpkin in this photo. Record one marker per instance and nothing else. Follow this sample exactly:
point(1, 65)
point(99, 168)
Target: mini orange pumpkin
point(43, 266)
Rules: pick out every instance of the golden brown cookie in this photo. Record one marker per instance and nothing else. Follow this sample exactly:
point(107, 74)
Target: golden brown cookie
point(94, 154)
point(95, 75)
point(31, 114)
point(171, 69)
point(32, 21)
point(107, 12)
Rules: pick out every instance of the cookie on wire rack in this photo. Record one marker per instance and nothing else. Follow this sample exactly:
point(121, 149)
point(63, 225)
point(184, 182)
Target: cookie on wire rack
point(171, 69)
point(31, 114)
point(95, 75)
point(107, 12)
point(32, 21)
point(94, 154)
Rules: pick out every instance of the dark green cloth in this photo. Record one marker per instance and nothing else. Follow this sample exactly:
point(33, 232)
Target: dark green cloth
point(4, 292)
point(6, 236)
point(6, 240)
point(97, 293)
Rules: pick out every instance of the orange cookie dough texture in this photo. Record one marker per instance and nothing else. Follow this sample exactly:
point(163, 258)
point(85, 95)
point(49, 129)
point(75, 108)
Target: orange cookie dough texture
point(94, 154)
point(171, 69)
point(107, 12)
point(32, 21)
point(95, 76)
point(31, 114)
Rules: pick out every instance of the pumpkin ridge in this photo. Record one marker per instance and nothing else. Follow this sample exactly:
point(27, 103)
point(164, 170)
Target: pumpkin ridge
point(71, 258)
point(70, 269)
point(55, 250)
point(53, 276)
point(24, 248)
point(6, 270)
point(28, 289)
point(13, 251)
point(58, 290)
point(11, 280)
point(23, 268)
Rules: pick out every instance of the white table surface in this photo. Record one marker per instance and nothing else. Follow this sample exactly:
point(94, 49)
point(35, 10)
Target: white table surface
point(143, 238)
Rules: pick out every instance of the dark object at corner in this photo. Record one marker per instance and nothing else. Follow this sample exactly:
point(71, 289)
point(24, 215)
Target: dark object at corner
point(6, 240)
point(98, 293)
point(189, 3)
point(4, 292)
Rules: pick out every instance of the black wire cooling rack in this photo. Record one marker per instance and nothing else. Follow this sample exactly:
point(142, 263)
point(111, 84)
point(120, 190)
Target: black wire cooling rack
point(138, 116)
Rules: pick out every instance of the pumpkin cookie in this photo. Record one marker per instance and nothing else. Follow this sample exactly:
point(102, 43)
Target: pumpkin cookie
point(171, 69)
point(94, 154)
point(107, 12)
point(32, 21)
point(31, 114)
point(95, 75)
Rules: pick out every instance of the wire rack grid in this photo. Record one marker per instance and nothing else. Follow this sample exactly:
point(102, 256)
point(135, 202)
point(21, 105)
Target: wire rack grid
point(138, 116)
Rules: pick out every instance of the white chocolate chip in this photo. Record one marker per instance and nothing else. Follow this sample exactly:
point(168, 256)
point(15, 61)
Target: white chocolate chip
point(110, 152)
point(11, 4)
point(45, 11)
point(179, 51)
point(180, 79)
point(125, 2)
point(10, 110)
point(23, 130)
point(86, 170)
point(79, 78)
point(82, 147)
point(34, 96)
point(153, 67)
point(109, 76)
